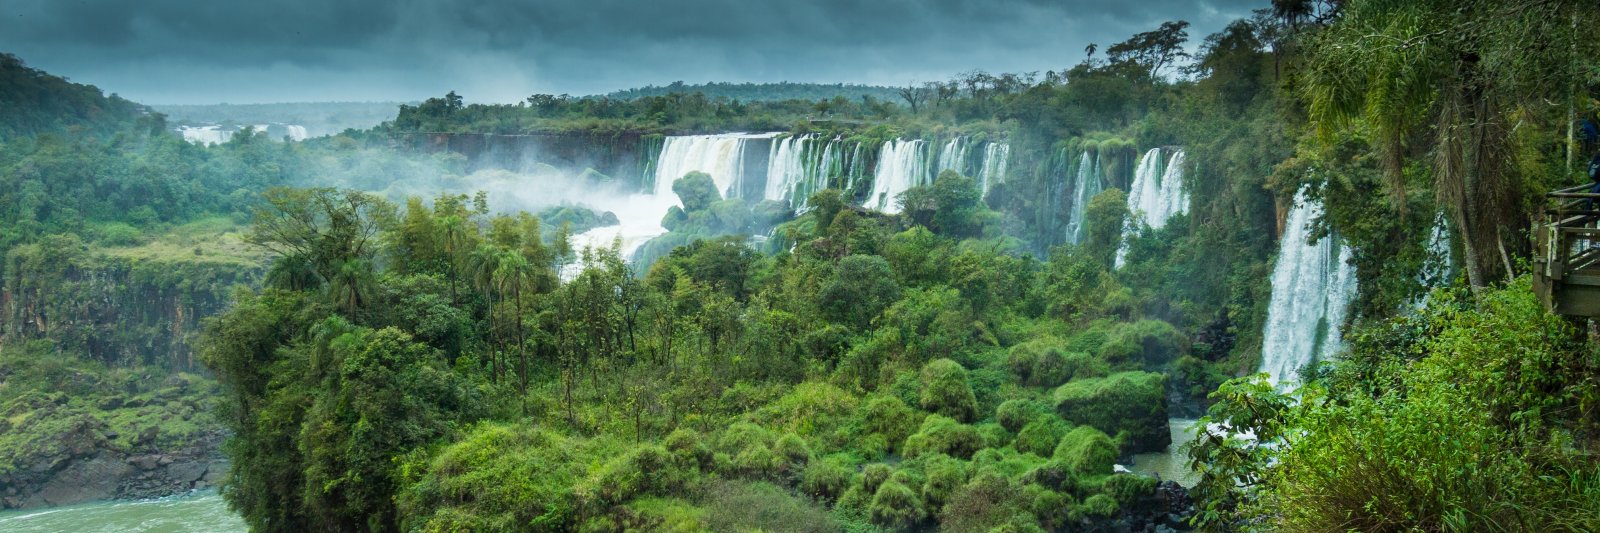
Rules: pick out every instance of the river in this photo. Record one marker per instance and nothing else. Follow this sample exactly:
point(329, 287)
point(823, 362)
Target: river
point(202, 512)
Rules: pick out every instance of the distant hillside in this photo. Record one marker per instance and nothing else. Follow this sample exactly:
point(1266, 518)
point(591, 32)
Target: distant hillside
point(319, 118)
point(33, 101)
point(764, 92)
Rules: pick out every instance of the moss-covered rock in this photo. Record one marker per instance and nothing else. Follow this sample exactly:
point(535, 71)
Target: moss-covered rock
point(1132, 405)
point(1086, 451)
point(1150, 344)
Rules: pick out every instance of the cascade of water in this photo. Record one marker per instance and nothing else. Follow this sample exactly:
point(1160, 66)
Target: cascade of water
point(994, 165)
point(721, 156)
point(1436, 270)
point(1154, 197)
point(902, 165)
point(1085, 188)
point(953, 156)
point(1312, 285)
point(1439, 265)
point(296, 132)
point(786, 167)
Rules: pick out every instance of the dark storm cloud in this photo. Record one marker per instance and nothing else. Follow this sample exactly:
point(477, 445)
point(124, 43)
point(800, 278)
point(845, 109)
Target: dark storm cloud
point(167, 51)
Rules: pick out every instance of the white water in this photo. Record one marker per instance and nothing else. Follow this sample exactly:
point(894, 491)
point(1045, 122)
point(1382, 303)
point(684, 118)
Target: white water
point(1312, 285)
point(1155, 196)
point(215, 134)
point(1084, 188)
point(953, 156)
point(902, 165)
point(721, 156)
point(639, 220)
point(994, 165)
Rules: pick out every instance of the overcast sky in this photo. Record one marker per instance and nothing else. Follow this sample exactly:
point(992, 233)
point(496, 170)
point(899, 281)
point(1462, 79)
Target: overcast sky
point(211, 51)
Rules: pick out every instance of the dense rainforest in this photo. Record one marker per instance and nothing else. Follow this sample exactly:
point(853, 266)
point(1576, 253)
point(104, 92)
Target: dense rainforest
point(388, 340)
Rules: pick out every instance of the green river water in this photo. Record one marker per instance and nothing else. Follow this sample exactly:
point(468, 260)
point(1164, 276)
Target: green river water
point(203, 512)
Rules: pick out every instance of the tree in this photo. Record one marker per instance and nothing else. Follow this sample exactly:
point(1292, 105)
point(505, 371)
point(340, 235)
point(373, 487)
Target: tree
point(1154, 50)
point(914, 96)
point(1448, 79)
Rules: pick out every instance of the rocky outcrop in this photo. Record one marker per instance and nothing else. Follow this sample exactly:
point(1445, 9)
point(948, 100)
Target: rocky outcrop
point(89, 470)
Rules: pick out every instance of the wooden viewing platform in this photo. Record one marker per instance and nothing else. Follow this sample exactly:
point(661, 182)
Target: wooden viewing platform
point(1566, 272)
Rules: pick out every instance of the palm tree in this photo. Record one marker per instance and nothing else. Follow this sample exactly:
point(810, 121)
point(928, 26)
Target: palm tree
point(455, 238)
point(294, 272)
point(351, 285)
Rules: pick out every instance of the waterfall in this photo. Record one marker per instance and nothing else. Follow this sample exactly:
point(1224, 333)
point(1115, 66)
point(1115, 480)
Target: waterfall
point(296, 132)
point(799, 166)
point(786, 168)
point(1084, 188)
point(902, 165)
point(721, 156)
point(994, 165)
point(1439, 264)
point(1312, 285)
point(953, 156)
point(1154, 197)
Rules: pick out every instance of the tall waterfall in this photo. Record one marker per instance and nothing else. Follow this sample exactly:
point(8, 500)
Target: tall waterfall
point(1084, 188)
point(1154, 197)
point(994, 165)
point(902, 164)
point(1312, 285)
point(721, 156)
point(953, 156)
point(801, 165)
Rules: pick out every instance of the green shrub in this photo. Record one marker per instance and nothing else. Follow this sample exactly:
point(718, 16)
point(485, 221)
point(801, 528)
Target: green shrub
point(1134, 403)
point(811, 408)
point(1040, 436)
point(1100, 506)
point(826, 479)
point(1129, 489)
point(497, 477)
point(1086, 451)
point(756, 461)
point(739, 506)
point(792, 452)
point(874, 475)
point(642, 470)
point(688, 449)
point(943, 435)
point(1014, 414)
point(889, 417)
point(987, 501)
point(945, 390)
point(1048, 506)
point(895, 507)
point(943, 475)
point(741, 435)
point(1045, 362)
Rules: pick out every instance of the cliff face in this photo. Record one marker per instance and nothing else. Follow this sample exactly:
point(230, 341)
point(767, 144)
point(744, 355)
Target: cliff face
point(119, 309)
point(97, 395)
